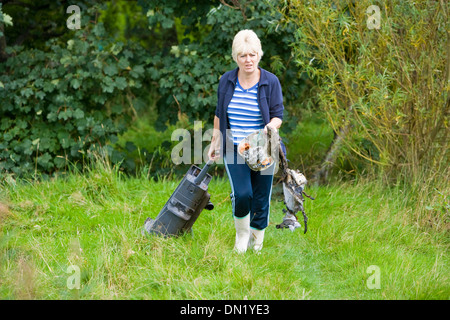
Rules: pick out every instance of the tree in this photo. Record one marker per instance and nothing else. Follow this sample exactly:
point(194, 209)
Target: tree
point(384, 86)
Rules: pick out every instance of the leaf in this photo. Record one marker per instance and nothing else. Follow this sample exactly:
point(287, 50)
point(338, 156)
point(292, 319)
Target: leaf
point(45, 160)
point(99, 29)
point(7, 19)
point(137, 71)
point(75, 83)
point(66, 114)
point(48, 86)
point(130, 146)
point(52, 116)
point(123, 63)
point(26, 92)
point(107, 84)
point(121, 83)
point(7, 136)
point(111, 70)
point(66, 60)
point(78, 114)
point(116, 48)
point(117, 109)
point(70, 44)
point(167, 23)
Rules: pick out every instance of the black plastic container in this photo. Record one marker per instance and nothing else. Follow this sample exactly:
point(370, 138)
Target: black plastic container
point(185, 204)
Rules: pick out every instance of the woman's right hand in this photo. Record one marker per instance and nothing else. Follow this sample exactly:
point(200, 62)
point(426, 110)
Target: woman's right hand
point(214, 148)
point(214, 153)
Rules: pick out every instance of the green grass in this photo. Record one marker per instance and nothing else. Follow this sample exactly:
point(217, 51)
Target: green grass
point(308, 143)
point(94, 221)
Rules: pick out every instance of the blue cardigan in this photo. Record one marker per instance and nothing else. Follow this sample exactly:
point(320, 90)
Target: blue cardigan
point(270, 99)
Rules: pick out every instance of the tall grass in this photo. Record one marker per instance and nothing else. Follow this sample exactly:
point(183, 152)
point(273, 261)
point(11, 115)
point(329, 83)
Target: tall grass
point(94, 221)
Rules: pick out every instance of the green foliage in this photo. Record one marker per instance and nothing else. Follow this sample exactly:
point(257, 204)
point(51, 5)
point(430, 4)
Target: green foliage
point(5, 19)
point(69, 98)
point(386, 88)
point(126, 22)
point(148, 150)
point(308, 143)
point(36, 22)
point(66, 92)
point(188, 65)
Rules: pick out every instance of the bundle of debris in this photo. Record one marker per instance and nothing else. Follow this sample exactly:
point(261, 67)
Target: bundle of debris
point(294, 183)
point(257, 150)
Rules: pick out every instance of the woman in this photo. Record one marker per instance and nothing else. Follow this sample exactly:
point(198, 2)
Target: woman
point(249, 98)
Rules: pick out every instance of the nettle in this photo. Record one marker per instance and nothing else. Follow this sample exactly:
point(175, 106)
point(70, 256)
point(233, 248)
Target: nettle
point(61, 103)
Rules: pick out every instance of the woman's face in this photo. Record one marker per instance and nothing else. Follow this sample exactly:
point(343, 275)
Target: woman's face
point(248, 62)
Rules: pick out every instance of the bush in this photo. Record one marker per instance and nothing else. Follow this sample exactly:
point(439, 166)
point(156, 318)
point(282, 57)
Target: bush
point(382, 80)
point(63, 101)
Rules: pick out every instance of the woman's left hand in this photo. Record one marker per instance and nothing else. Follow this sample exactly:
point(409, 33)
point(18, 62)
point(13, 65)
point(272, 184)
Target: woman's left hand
point(274, 124)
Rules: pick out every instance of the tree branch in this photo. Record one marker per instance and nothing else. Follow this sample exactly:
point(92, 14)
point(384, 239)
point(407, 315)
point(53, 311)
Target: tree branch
point(3, 55)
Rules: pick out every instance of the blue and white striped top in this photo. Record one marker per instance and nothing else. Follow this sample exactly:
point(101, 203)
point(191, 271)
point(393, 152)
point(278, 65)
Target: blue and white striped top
point(243, 112)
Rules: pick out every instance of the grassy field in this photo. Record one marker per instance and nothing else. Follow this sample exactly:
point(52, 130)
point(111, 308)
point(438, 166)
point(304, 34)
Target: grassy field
point(94, 222)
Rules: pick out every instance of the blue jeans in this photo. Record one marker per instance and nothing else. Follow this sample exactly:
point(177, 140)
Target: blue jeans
point(250, 190)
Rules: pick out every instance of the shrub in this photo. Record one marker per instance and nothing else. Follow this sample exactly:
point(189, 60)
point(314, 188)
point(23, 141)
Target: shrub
point(58, 103)
point(382, 80)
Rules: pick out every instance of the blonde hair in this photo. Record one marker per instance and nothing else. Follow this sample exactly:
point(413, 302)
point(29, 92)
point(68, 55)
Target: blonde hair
point(246, 41)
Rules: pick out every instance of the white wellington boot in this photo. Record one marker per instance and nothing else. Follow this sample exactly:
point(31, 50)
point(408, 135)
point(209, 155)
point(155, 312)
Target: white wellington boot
point(242, 226)
point(256, 239)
